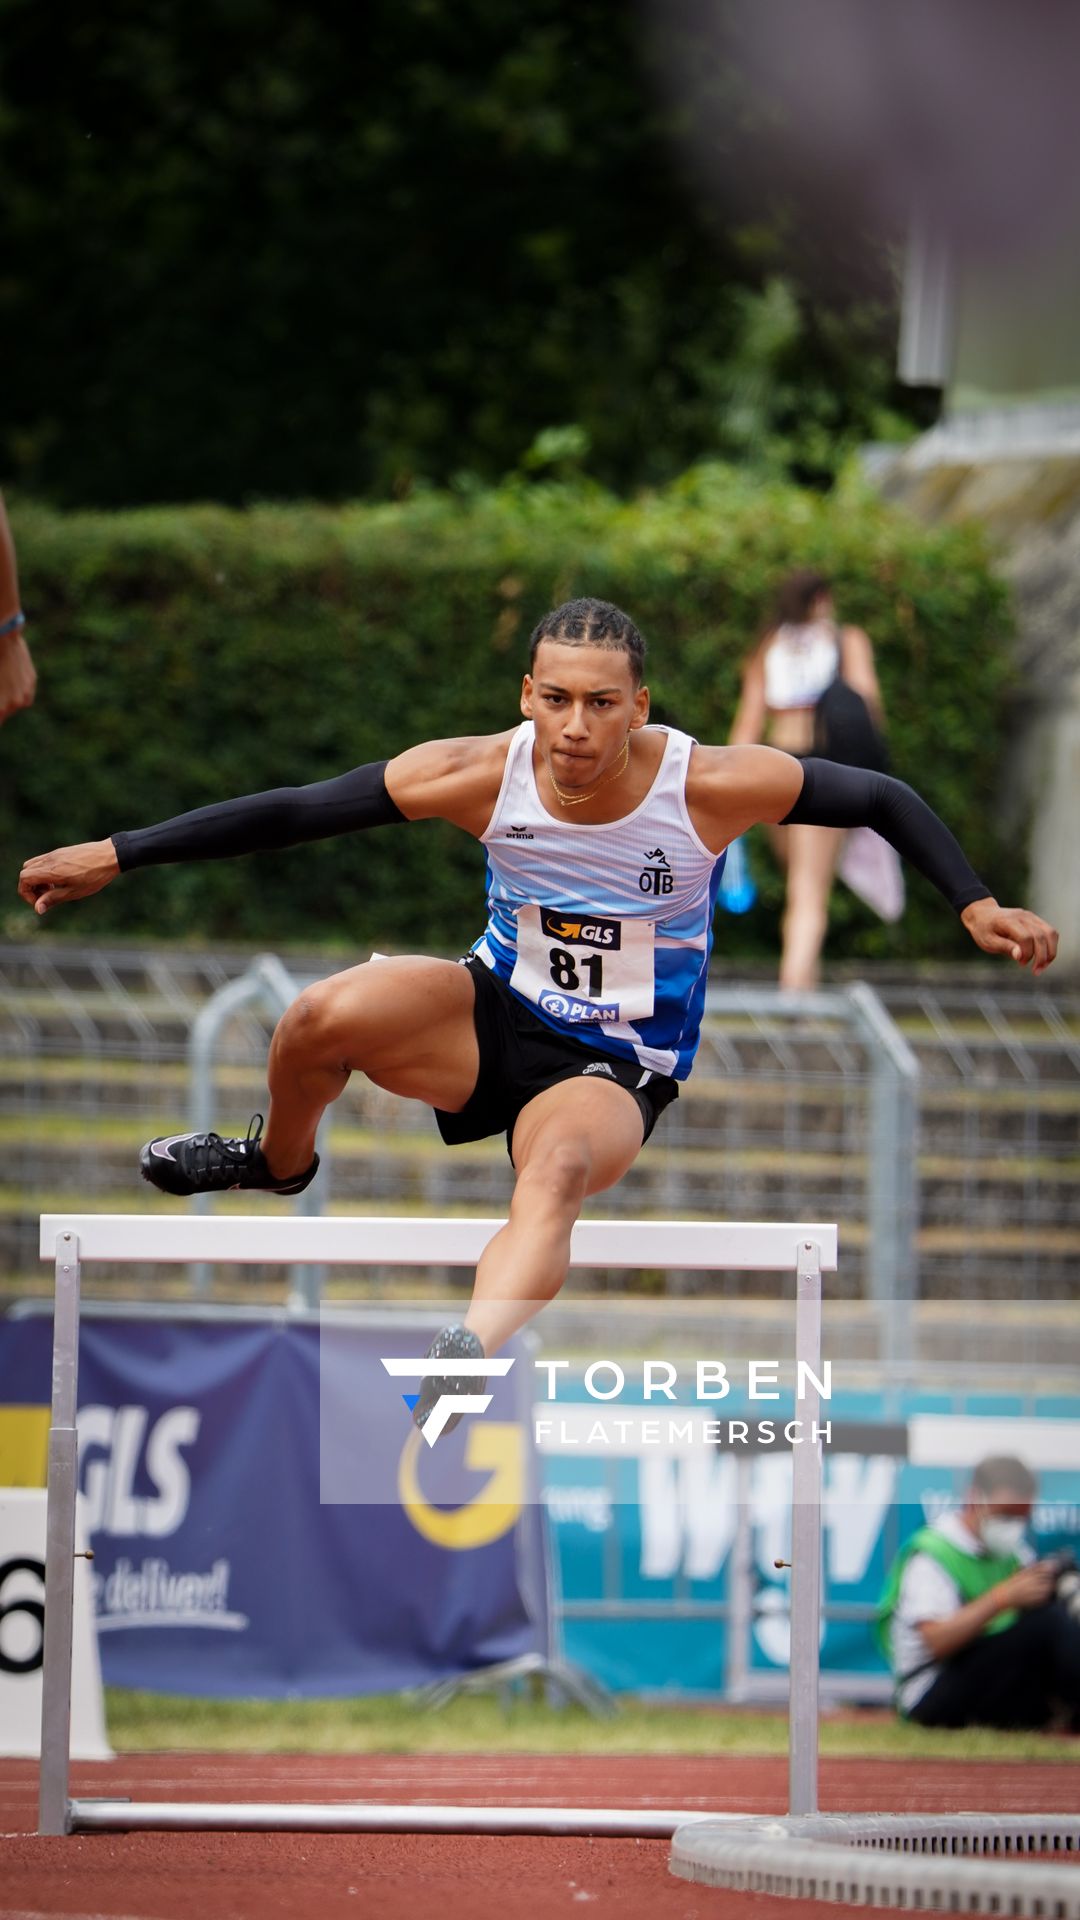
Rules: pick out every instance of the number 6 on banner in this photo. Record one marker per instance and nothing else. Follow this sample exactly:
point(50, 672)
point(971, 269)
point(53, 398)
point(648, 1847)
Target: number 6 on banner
point(22, 1634)
point(11, 1661)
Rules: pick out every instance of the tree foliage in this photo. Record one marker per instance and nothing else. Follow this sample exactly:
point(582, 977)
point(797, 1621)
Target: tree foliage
point(330, 251)
point(192, 654)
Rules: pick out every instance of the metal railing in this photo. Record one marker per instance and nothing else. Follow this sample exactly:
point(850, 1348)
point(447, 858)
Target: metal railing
point(267, 984)
point(892, 1131)
point(795, 1106)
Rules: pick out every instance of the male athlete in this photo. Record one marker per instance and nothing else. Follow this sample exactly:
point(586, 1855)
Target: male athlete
point(577, 1011)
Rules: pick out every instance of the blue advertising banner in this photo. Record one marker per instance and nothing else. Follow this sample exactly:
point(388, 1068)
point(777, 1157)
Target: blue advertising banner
point(219, 1570)
point(267, 1522)
point(645, 1546)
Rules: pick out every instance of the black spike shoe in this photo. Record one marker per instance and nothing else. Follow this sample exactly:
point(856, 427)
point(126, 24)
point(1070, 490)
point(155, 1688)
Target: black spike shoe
point(187, 1163)
point(453, 1343)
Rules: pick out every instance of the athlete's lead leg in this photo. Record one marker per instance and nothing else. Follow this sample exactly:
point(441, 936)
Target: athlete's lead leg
point(407, 1023)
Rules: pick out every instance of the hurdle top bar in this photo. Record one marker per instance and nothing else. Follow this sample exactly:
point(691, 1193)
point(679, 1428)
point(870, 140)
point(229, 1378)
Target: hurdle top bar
point(337, 1241)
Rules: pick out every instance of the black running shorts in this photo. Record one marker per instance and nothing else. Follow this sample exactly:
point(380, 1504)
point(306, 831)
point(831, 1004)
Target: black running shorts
point(520, 1056)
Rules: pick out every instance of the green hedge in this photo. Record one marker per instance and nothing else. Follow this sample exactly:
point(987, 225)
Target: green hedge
point(189, 654)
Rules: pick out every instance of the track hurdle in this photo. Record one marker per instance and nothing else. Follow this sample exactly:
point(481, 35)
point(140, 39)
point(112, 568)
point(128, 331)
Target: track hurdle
point(802, 1250)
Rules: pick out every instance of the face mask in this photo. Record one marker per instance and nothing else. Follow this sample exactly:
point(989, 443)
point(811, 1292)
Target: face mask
point(1003, 1538)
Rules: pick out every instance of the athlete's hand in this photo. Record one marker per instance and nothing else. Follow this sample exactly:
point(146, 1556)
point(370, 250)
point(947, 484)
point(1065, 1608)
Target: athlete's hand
point(71, 873)
point(1012, 930)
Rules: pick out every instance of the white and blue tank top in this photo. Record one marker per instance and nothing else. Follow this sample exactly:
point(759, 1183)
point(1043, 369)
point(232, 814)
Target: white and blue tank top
point(604, 931)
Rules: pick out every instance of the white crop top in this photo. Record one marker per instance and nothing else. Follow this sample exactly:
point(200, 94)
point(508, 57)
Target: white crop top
point(800, 662)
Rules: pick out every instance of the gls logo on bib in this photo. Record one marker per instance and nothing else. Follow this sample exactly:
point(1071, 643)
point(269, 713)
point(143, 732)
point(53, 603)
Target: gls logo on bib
point(589, 933)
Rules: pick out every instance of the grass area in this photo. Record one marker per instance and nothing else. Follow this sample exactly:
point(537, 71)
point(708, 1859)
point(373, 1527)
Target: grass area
point(150, 1722)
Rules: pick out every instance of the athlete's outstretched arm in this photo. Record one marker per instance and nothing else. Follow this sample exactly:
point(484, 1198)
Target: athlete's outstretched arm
point(835, 796)
point(254, 823)
point(442, 779)
point(732, 788)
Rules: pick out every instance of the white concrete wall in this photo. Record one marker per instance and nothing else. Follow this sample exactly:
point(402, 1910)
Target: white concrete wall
point(1055, 831)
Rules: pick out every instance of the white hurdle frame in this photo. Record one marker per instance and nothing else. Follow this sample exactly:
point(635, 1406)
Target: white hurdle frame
point(804, 1250)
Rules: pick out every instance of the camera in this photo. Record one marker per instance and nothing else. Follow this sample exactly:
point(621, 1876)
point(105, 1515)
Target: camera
point(1066, 1580)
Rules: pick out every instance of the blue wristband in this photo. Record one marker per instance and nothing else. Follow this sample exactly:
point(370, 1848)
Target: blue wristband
point(12, 624)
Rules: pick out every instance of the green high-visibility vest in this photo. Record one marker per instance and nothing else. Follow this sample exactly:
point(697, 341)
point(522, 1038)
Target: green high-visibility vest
point(974, 1574)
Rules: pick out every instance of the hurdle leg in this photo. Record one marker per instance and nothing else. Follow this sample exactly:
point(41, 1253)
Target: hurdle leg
point(53, 1804)
point(740, 1619)
point(805, 1549)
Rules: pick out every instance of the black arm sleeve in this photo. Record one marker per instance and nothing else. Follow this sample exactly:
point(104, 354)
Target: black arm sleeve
point(260, 822)
point(835, 796)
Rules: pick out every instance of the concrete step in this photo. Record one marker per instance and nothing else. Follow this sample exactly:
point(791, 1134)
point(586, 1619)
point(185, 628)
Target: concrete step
point(987, 1201)
point(362, 1135)
point(711, 1110)
point(1023, 1049)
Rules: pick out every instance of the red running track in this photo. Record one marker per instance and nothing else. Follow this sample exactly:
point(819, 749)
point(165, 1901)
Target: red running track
point(245, 1876)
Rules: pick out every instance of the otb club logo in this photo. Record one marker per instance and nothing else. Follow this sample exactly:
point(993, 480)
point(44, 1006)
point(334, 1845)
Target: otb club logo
point(447, 1403)
point(656, 876)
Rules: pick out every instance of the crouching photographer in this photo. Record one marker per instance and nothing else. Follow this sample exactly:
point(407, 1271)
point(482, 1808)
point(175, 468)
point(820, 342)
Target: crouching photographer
point(977, 1630)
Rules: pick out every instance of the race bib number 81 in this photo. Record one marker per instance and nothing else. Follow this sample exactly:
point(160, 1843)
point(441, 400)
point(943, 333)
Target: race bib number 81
point(580, 969)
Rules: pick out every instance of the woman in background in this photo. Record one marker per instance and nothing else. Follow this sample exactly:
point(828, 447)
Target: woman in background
point(801, 654)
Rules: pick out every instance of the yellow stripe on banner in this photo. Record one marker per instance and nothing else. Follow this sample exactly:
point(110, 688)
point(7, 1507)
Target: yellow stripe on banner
point(24, 1446)
point(496, 1447)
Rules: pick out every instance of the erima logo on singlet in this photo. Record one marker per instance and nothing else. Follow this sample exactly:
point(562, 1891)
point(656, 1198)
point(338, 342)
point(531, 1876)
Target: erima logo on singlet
point(517, 833)
point(588, 933)
point(656, 876)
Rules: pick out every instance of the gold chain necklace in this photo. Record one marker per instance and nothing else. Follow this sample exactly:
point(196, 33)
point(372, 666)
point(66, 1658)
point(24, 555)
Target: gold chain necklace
point(579, 799)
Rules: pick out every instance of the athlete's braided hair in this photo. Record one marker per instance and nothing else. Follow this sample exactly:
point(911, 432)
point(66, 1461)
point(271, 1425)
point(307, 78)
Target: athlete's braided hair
point(592, 623)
